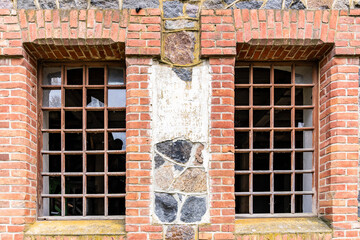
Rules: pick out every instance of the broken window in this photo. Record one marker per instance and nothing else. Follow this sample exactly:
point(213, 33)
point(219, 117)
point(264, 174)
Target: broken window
point(83, 141)
point(274, 132)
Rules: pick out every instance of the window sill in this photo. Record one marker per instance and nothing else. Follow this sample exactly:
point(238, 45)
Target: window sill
point(270, 226)
point(76, 228)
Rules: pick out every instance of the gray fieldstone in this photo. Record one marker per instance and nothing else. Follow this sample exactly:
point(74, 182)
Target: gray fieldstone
point(249, 4)
point(166, 207)
point(273, 4)
point(73, 4)
point(192, 180)
point(178, 151)
point(26, 4)
point(179, 47)
point(163, 177)
point(213, 4)
point(297, 4)
point(173, 9)
point(193, 209)
point(132, 4)
point(105, 4)
point(184, 74)
point(341, 4)
point(158, 161)
point(192, 10)
point(47, 4)
point(180, 232)
point(179, 24)
point(178, 168)
point(6, 4)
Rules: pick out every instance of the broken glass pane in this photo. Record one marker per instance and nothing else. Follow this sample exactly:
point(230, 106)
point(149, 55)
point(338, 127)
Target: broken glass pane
point(95, 98)
point(95, 141)
point(73, 98)
point(51, 119)
point(115, 76)
point(96, 76)
point(303, 75)
point(52, 98)
point(74, 76)
point(52, 76)
point(117, 140)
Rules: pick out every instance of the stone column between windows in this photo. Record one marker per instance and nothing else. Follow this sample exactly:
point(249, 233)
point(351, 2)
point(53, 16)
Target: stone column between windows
point(338, 166)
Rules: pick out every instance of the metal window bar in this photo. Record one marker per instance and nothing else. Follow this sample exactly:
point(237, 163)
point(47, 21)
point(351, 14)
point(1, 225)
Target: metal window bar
point(273, 194)
point(63, 152)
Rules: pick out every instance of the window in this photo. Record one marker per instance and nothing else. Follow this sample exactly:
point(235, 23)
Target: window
point(82, 142)
point(275, 119)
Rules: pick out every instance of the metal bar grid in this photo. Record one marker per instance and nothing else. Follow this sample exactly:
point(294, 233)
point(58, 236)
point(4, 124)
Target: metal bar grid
point(247, 208)
point(63, 152)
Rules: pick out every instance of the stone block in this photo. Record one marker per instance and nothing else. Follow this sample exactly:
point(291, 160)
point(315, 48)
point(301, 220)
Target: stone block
point(179, 24)
point(180, 232)
point(249, 4)
point(6, 4)
point(71, 4)
point(179, 47)
point(178, 150)
point(47, 4)
point(192, 10)
point(163, 177)
point(213, 4)
point(166, 207)
point(26, 4)
point(191, 180)
point(184, 74)
point(105, 4)
point(132, 4)
point(173, 9)
point(193, 209)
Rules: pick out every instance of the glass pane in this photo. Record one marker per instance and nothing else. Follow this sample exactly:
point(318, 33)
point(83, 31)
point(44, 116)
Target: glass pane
point(95, 184)
point(73, 120)
point(261, 161)
point(282, 161)
point(242, 96)
point(282, 74)
point(51, 206)
point(95, 98)
point(73, 163)
point(261, 182)
point(117, 162)
point(303, 203)
point(282, 139)
point(303, 74)
point(303, 96)
point(241, 118)
point(261, 96)
point(116, 97)
point(261, 118)
point(73, 98)
point(95, 141)
point(73, 185)
point(242, 75)
point(303, 160)
point(52, 98)
point(261, 75)
point(52, 185)
point(115, 75)
point(261, 204)
point(261, 140)
point(303, 139)
point(282, 182)
point(116, 206)
point(241, 161)
point(94, 206)
point(242, 183)
point(282, 118)
point(52, 141)
point(74, 76)
point(95, 163)
point(51, 119)
point(116, 184)
point(282, 96)
point(303, 118)
point(303, 182)
point(73, 206)
point(282, 204)
point(117, 140)
point(52, 76)
point(51, 163)
point(73, 141)
point(242, 204)
point(241, 140)
point(117, 119)
point(95, 119)
point(96, 76)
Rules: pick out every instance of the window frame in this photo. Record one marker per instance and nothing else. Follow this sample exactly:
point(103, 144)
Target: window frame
point(315, 137)
point(84, 130)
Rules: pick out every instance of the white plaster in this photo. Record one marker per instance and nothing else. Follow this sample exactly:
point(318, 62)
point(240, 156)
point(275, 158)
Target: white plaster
point(181, 110)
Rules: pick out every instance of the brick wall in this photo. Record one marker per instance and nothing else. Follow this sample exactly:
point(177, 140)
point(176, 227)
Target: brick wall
point(329, 37)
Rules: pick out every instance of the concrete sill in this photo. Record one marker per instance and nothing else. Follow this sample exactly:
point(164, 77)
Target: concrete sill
point(76, 228)
point(263, 226)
